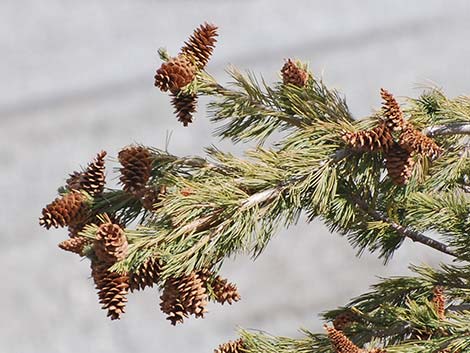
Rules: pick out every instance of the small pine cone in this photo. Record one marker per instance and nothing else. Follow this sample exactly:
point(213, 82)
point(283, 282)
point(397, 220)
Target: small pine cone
point(231, 347)
point(146, 275)
point(75, 245)
point(110, 244)
point(175, 74)
point(201, 44)
point(340, 343)
point(171, 303)
point(185, 105)
point(392, 111)
point(64, 210)
point(344, 320)
point(293, 74)
point(192, 294)
point(377, 139)
point(439, 302)
point(184, 296)
point(225, 291)
point(112, 289)
point(414, 141)
point(74, 181)
point(399, 164)
point(136, 164)
point(93, 178)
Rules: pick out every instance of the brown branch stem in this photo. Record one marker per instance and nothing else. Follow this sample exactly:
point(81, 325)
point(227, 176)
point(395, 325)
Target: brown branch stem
point(404, 231)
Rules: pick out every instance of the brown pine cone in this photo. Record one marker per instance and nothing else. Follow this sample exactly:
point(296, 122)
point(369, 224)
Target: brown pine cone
point(231, 347)
point(75, 245)
point(74, 181)
point(64, 210)
point(110, 244)
point(193, 294)
point(399, 164)
point(340, 343)
point(175, 74)
point(171, 303)
point(439, 302)
point(184, 296)
point(112, 289)
point(146, 275)
point(377, 139)
point(92, 180)
point(392, 111)
point(293, 74)
point(136, 164)
point(414, 141)
point(185, 105)
point(344, 320)
point(200, 45)
point(225, 291)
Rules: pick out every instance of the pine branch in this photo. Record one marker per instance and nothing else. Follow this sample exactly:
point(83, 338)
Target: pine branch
point(406, 232)
point(195, 213)
point(450, 129)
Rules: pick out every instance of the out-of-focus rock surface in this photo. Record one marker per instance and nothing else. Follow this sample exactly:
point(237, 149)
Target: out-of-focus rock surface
point(77, 77)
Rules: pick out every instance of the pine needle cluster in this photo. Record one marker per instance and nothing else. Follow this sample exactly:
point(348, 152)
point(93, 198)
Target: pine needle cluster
point(401, 174)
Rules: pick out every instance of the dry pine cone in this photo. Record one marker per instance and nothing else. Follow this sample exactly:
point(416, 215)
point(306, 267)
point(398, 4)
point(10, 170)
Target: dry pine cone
point(75, 245)
point(184, 296)
point(185, 105)
point(110, 244)
point(392, 111)
point(175, 74)
point(293, 74)
point(340, 343)
point(200, 45)
point(231, 347)
point(146, 275)
point(136, 164)
point(225, 291)
point(399, 164)
point(376, 139)
point(65, 210)
point(344, 320)
point(439, 302)
point(414, 141)
point(112, 289)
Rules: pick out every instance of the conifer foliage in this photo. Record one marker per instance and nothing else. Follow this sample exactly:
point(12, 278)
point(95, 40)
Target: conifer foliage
point(399, 175)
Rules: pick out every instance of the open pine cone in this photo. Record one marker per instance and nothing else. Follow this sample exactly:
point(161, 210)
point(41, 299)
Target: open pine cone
point(201, 45)
point(110, 244)
point(112, 289)
point(175, 74)
point(64, 210)
point(293, 74)
point(136, 164)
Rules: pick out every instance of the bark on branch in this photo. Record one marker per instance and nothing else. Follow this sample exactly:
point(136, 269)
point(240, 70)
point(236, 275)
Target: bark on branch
point(450, 129)
point(406, 232)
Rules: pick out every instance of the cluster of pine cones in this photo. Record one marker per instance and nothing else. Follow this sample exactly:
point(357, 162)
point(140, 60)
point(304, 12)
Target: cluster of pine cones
point(178, 72)
point(398, 150)
point(74, 209)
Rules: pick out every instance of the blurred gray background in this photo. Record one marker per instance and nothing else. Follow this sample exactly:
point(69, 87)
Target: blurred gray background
point(77, 77)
